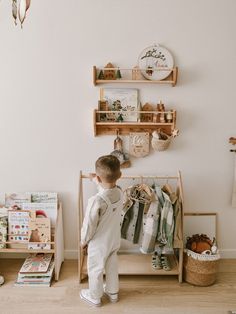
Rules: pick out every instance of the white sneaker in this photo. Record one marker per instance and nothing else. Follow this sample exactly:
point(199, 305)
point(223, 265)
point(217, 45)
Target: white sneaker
point(85, 295)
point(1, 280)
point(112, 297)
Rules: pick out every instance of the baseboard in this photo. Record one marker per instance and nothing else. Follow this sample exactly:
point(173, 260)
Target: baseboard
point(73, 254)
point(228, 253)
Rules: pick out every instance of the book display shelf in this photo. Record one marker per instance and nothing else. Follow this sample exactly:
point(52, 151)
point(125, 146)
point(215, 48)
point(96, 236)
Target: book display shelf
point(56, 244)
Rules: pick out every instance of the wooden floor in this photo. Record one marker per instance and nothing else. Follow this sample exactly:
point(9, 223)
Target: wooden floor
point(138, 294)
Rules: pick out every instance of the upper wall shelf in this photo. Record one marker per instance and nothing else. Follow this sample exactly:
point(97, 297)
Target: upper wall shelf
point(131, 75)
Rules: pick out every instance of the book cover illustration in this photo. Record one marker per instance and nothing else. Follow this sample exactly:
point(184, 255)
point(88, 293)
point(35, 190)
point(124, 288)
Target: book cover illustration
point(39, 231)
point(36, 277)
point(44, 197)
point(18, 225)
point(36, 263)
point(17, 199)
point(49, 209)
point(3, 227)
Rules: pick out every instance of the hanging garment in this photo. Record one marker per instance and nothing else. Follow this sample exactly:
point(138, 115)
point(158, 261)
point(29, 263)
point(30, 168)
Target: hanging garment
point(178, 235)
point(175, 199)
point(132, 216)
point(101, 230)
point(150, 228)
point(166, 227)
point(140, 192)
point(157, 220)
point(138, 198)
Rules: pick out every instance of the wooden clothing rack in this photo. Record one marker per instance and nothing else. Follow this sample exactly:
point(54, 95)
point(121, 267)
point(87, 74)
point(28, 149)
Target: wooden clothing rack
point(134, 263)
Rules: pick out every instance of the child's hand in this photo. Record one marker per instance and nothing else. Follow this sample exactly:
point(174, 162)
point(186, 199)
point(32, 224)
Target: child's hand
point(92, 176)
point(84, 248)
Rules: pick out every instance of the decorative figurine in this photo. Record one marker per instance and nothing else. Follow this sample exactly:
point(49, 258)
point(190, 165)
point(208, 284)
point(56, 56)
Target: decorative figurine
point(161, 108)
point(101, 75)
point(136, 73)
point(169, 116)
point(102, 106)
point(147, 117)
point(175, 133)
point(162, 118)
point(118, 74)
point(109, 74)
point(120, 118)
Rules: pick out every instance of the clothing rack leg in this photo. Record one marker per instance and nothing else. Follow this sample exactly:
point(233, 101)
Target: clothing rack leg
point(180, 276)
point(80, 221)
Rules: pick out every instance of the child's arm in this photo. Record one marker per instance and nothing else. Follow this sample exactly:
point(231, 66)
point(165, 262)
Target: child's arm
point(91, 220)
point(93, 177)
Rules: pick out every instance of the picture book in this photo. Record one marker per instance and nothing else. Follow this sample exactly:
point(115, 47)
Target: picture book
point(44, 197)
point(49, 210)
point(18, 225)
point(3, 227)
point(18, 199)
point(39, 234)
point(36, 263)
point(37, 277)
point(32, 284)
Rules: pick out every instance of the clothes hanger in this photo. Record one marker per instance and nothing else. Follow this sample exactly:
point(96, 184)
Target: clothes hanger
point(167, 188)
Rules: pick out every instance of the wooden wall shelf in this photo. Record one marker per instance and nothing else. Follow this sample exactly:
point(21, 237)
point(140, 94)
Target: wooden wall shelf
point(124, 128)
point(171, 79)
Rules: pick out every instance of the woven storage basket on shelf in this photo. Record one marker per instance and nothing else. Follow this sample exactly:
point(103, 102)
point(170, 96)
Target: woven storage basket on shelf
point(200, 272)
point(161, 144)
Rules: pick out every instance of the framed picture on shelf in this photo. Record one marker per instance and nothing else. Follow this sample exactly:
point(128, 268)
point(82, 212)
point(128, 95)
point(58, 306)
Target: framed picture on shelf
point(125, 100)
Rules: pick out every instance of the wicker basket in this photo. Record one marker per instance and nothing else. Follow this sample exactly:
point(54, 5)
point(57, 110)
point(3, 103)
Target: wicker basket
point(200, 272)
point(161, 144)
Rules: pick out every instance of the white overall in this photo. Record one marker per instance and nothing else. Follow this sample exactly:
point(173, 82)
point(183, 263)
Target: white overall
point(102, 250)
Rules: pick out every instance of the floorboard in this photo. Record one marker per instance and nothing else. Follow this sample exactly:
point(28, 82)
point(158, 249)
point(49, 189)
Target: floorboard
point(138, 294)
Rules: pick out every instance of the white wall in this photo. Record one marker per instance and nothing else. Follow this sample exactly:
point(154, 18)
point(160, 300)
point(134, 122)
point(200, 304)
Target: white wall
point(47, 96)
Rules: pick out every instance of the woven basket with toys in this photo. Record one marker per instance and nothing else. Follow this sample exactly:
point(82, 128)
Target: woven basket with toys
point(160, 141)
point(201, 260)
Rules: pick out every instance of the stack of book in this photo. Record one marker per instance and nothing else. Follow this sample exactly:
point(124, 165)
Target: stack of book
point(37, 270)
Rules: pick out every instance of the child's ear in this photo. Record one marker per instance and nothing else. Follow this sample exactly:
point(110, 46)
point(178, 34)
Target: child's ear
point(98, 178)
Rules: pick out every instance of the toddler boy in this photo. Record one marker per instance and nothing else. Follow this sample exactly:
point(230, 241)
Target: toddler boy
point(100, 233)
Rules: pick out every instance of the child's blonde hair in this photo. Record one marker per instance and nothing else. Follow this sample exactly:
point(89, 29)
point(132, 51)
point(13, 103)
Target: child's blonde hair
point(108, 168)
